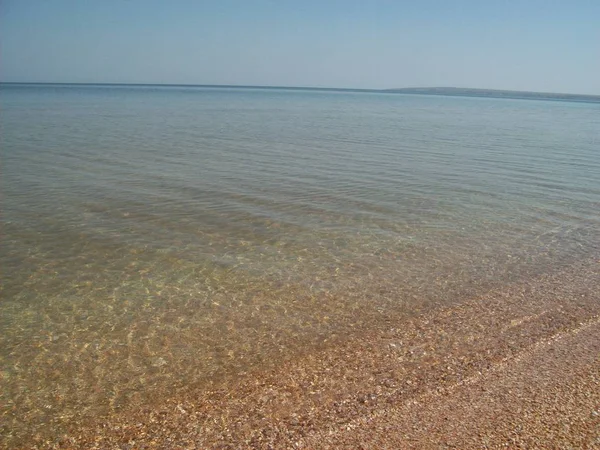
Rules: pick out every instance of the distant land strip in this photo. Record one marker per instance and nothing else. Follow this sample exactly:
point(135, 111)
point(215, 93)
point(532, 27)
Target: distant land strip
point(496, 93)
point(443, 91)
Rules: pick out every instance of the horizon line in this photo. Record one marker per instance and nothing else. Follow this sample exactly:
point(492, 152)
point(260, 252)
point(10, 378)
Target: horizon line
point(420, 90)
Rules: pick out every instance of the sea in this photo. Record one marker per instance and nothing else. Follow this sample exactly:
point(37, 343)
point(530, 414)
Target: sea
point(157, 240)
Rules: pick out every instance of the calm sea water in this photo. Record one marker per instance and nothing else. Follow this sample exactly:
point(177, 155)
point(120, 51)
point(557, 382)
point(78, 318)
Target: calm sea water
point(160, 238)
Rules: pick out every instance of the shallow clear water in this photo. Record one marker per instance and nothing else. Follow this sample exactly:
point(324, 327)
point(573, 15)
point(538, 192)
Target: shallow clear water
point(157, 238)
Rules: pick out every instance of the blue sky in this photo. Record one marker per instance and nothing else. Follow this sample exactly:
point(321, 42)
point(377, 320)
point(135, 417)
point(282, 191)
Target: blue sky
point(504, 44)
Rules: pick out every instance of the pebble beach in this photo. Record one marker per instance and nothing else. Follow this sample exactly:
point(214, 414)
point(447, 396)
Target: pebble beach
point(514, 368)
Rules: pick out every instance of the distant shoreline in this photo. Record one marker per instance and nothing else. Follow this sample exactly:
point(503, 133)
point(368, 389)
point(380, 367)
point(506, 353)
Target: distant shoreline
point(440, 91)
point(497, 93)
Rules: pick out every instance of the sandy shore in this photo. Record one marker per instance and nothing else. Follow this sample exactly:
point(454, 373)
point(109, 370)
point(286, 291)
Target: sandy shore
point(517, 368)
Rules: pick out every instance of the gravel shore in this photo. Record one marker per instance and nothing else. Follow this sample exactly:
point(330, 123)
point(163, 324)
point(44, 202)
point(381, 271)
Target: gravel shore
point(516, 368)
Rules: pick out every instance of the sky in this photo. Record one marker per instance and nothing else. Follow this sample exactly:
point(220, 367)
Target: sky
point(535, 45)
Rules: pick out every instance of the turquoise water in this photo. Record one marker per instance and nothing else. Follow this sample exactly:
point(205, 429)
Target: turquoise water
point(156, 239)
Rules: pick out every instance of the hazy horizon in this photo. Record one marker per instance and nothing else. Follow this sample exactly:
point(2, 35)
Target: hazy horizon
point(546, 47)
point(324, 88)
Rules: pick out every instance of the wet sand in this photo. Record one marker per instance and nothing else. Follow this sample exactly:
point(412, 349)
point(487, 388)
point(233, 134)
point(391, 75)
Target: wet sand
point(517, 367)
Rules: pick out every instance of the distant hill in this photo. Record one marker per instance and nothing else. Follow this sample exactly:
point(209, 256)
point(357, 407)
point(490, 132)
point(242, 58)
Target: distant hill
point(495, 93)
point(447, 91)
